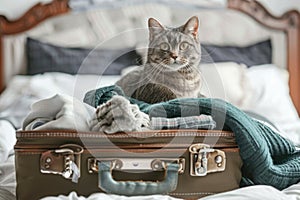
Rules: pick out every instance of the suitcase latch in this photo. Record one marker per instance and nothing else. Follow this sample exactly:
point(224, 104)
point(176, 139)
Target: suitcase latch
point(206, 160)
point(64, 161)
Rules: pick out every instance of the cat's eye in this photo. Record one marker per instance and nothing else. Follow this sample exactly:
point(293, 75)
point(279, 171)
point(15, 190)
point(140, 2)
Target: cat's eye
point(184, 46)
point(164, 46)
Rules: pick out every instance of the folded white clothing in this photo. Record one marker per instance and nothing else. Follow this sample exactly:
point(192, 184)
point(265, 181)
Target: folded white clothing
point(118, 115)
point(59, 112)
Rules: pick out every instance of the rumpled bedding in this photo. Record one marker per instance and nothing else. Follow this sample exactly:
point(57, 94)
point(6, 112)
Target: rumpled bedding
point(259, 192)
point(7, 169)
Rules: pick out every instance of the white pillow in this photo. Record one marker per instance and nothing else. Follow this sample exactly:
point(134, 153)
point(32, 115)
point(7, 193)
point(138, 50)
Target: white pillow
point(226, 81)
point(76, 37)
point(270, 95)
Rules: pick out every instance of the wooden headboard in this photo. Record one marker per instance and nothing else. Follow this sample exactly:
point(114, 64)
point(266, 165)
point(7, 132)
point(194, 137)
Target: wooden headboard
point(288, 23)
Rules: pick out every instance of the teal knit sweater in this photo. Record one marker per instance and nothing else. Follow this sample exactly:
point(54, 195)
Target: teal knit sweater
point(268, 158)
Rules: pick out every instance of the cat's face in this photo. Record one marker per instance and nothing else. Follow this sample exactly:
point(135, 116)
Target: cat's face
point(174, 49)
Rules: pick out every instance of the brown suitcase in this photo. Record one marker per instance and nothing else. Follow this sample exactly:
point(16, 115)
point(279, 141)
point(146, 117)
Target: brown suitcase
point(180, 163)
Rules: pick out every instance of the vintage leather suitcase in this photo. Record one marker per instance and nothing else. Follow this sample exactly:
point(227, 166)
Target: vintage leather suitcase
point(181, 163)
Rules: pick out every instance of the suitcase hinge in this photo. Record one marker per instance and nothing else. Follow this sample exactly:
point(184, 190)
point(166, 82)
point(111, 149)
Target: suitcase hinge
point(64, 161)
point(206, 160)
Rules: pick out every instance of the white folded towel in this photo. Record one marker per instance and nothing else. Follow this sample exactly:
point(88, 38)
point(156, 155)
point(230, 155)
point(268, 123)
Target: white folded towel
point(59, 112)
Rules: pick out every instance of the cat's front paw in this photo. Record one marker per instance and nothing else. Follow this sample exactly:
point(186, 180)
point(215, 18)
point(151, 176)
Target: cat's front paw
point(118, 115)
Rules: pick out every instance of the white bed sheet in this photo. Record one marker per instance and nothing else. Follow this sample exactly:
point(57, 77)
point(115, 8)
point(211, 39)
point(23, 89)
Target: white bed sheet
point(247, 193)
point(48, 84)
point(7, 172)
point(37, 87)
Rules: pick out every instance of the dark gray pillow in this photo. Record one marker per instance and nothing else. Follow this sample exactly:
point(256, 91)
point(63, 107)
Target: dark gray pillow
point(256, 54)
point(43, 57)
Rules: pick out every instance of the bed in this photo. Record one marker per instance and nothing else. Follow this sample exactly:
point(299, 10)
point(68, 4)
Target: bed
point(261, 74)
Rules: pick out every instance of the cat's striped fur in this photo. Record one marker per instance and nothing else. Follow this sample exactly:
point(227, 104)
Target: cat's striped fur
point(172, 64)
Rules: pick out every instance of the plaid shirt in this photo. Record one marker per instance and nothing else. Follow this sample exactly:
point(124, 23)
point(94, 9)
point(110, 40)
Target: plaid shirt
point(191, 122)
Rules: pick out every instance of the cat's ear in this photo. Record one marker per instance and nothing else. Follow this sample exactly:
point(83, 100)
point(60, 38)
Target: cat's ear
point(154, 27)
point(191, 27)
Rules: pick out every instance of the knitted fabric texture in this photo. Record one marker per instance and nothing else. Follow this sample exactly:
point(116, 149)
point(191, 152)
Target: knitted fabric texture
point(268, 158)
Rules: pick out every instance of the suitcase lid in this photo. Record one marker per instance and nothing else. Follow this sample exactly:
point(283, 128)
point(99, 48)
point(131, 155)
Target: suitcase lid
point(145, 139)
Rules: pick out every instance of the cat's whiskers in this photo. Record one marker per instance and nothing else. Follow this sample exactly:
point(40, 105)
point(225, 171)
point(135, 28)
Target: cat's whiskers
point(175, 67)
point(171, 67)
point(153, 73)
point(146, 77)
point(158, 71)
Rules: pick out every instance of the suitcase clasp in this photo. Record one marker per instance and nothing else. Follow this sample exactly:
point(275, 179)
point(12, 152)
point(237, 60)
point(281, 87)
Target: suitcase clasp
point(64, 161)
point(205, 159)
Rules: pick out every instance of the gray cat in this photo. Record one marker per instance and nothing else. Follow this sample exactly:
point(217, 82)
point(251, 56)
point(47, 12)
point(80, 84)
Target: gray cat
point(172, 66)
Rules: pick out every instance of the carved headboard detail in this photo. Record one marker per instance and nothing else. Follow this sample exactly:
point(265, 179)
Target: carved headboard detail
point(289, 22)
point(30, 19)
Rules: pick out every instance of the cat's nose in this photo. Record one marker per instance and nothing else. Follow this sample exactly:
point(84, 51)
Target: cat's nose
point(174, 56)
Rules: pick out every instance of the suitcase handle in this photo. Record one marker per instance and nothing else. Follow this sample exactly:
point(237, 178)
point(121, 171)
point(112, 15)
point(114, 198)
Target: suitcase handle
point(129, 188)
